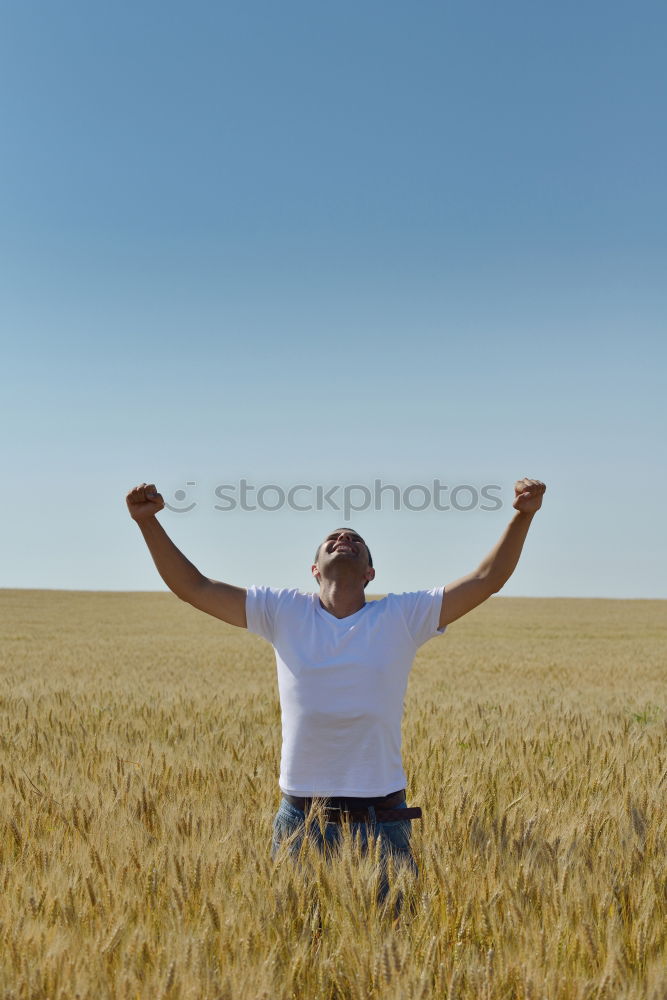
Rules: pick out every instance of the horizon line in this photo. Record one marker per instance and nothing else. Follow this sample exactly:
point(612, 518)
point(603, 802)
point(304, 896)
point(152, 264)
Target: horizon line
point(509, 597)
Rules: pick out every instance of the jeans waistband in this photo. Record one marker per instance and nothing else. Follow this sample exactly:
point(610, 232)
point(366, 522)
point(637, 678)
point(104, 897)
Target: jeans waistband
point(346, 802)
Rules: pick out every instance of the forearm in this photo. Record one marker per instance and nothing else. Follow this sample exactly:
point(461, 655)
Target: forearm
point(177, 572)
point(501, 562)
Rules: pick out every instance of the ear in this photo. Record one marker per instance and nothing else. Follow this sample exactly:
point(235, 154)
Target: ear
point(370, 574)
point(314, 570)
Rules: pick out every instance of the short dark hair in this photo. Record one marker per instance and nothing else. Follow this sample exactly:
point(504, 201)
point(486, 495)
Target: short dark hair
point(317, 551)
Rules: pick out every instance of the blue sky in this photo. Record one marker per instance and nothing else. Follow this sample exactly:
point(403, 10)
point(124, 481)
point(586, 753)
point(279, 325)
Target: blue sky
point(326, 244)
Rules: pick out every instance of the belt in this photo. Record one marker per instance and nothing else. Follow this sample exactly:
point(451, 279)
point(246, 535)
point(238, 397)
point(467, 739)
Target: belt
point(338, 810)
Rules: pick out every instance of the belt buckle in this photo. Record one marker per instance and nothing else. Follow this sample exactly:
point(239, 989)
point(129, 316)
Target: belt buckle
point(345, 814)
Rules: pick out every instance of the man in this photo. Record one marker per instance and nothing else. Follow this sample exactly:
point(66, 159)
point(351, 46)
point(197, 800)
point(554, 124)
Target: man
point(343, 666)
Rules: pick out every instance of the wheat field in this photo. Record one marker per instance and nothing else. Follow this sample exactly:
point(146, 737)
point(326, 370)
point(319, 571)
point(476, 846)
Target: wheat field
point(140, 746)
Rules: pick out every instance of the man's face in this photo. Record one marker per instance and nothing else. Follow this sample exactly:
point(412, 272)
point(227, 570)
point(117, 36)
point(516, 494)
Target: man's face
point(343, 546)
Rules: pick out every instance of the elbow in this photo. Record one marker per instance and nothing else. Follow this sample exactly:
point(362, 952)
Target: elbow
point(493, 584)
point(182, 595)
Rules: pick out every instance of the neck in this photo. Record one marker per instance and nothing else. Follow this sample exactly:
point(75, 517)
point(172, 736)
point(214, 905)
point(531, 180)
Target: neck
point(339, 600)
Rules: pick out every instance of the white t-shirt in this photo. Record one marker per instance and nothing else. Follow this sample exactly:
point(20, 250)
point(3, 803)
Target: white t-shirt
point(342, 683)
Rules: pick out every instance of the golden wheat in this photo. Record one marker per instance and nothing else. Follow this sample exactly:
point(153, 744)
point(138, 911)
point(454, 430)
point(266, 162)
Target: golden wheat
point(139, 756)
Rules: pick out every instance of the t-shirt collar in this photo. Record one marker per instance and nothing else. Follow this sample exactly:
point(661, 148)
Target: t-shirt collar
point(332, 618)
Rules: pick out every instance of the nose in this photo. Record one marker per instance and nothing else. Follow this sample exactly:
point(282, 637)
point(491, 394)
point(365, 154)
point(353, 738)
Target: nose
point(345, 536)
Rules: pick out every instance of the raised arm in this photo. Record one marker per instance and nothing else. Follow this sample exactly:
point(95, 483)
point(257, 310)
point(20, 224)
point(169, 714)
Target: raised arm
point(495, 570)
point(214, 598)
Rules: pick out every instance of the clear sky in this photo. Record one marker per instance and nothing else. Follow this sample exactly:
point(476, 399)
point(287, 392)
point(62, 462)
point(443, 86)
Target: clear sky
point(325, 244)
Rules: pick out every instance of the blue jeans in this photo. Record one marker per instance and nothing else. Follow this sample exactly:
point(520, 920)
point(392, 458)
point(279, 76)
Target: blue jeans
point(394, 840)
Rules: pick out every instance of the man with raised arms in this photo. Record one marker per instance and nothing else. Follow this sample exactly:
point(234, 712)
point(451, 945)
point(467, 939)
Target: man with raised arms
point(343, 664)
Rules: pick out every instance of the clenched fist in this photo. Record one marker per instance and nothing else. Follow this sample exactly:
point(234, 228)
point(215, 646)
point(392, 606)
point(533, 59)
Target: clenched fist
point(528, 495)
point(144, 501)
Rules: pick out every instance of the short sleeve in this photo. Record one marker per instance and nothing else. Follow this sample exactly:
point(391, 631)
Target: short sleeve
point(260, 609)
point(421, 611)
